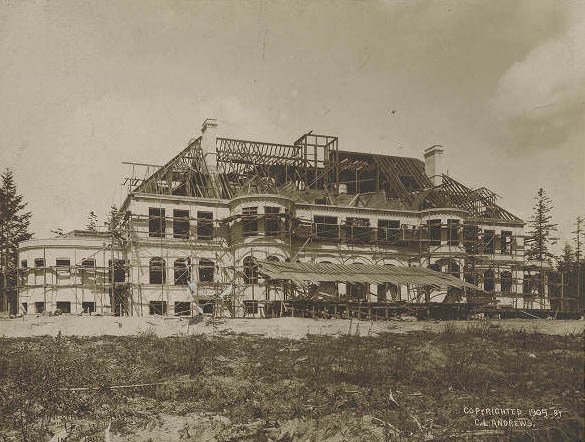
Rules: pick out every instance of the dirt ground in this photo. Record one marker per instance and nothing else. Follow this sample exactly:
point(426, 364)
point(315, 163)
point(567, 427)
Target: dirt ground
point(290, 379)
point(290, 328)
point(210, 427)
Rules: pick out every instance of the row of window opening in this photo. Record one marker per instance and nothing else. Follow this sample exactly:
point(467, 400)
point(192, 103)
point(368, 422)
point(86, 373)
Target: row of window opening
point(390, 231)
point(157, 224)
point(182, 308)
point(327, 227)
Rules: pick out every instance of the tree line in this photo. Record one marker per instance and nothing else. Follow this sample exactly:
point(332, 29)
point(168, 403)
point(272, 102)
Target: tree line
point(566, 283)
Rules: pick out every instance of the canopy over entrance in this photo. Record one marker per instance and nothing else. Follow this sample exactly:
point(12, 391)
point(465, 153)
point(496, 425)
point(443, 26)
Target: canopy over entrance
point(300, 273)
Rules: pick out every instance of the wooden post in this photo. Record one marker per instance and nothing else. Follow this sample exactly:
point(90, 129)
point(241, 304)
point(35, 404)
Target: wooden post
point(562, 290)
point(4, 306)
point(45, 279)
point(112, 268)
point(73, 277)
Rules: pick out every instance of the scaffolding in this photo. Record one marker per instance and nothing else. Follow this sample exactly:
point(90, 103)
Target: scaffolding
point(312, 170)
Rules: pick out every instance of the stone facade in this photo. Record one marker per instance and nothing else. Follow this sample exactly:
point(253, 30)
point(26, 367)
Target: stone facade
point(171, 241)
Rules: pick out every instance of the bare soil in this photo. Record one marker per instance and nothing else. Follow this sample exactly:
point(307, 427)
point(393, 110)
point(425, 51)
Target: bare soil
point(290, 328)
point(289, 379)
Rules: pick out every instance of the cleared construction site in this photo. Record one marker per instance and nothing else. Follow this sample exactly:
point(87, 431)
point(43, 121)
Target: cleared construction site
point(236, 228)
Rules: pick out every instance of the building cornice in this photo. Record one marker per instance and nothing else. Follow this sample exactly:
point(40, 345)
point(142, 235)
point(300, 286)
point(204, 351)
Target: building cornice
point(73, 243)
point(258, 196)
point(177, 198)
point(384, 212)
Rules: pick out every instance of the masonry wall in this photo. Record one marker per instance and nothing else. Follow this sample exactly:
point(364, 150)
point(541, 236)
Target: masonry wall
point(236, 237)
point(77, 286)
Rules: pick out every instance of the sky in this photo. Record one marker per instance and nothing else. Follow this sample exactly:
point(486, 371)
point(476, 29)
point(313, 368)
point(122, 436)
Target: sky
point(87, 85)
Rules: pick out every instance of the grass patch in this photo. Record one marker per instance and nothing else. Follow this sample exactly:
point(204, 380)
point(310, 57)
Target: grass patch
point(417, 382)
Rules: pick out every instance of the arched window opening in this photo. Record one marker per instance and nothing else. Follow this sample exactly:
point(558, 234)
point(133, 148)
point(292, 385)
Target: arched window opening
point(469, 274)
point(250, 270)
point(206, 270)
point(527, 284)
point(489, 281)
point(119, 270)
point(182, 271)
point(454, 269)
point(506, 281)
point(156, 269)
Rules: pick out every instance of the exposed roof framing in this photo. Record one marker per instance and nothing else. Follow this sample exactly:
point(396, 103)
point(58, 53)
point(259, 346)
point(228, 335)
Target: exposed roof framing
point(480, 203)
point(239, 161)
point(185, 174)
point(314, 162)
point(320, 159)
point(231, 151)
point(396, 170)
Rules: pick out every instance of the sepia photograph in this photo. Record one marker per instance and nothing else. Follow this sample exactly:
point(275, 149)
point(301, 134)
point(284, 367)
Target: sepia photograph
point(327, 220)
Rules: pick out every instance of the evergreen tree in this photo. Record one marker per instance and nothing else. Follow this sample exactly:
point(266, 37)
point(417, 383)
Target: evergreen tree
point(571, 270)
point(92, 222)
point(567, 260)
point(14, 225)
point(579, 236)
point(579, 264)
point(113, 218)
point(541, 229)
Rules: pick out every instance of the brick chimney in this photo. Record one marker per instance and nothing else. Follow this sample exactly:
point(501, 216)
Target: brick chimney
point(208, 143)
point(434, 164)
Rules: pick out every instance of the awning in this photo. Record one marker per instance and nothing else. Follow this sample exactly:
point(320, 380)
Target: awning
point(359, 273)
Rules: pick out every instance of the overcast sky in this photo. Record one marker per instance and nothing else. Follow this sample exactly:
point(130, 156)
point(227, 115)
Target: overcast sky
point(87, 85)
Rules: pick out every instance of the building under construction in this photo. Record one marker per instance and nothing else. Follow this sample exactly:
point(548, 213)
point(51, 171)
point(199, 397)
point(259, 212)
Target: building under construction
point(246, 228)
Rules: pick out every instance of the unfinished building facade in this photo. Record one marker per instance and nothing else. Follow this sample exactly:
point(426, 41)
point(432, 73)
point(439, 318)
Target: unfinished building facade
point(244, 228)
